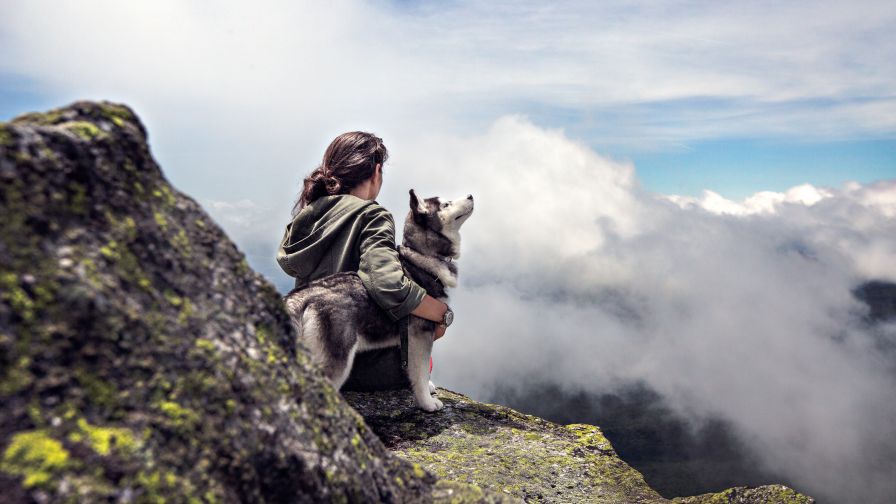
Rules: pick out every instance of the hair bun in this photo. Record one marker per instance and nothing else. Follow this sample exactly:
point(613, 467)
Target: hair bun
point(332, 184)
point(317, 176)
point(349, 160)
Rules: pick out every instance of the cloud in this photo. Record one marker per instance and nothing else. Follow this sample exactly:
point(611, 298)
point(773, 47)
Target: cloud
point(572, 274)
point(761, 202)
point(663, 72)
point(256, 228)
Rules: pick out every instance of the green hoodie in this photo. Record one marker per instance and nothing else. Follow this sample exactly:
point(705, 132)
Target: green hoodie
point(346, 233)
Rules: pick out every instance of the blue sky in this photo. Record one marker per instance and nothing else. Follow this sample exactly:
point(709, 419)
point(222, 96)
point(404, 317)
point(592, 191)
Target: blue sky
point(732, 167)
point(734, 99)
point(737, 168)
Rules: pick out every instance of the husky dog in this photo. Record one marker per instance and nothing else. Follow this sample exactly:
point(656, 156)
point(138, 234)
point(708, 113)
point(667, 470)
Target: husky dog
point(335, 317)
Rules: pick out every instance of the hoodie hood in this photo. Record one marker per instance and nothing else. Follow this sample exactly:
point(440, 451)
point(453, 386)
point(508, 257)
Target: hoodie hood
point(316, 232)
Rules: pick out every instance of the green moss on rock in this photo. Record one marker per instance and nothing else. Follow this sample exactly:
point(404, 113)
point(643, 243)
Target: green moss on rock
point(161, 220)
point(99, 392)
point(6, 138)
point(17, 377)
point(18, 299)
point(767, 494)
point(179, 415)
point(103, 439)
point(496, 448)
point(118, 114)
point(49, 118)
point(35, 456)
point(181, 243)
point(83, 129)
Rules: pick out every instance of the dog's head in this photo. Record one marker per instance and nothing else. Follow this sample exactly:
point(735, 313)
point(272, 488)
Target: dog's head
point(434, 224)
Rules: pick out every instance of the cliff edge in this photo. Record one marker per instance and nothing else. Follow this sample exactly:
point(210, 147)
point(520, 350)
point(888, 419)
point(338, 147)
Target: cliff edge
point(523, 456)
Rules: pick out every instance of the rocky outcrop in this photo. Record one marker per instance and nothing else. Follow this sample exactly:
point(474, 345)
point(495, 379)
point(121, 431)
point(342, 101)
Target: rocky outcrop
point(743, 495)
point(495, 447)
point(142, 360)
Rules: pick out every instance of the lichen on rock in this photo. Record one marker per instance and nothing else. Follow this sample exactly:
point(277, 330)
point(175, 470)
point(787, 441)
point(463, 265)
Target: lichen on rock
point(771, 494)
point(494, 447)
point(35, 456)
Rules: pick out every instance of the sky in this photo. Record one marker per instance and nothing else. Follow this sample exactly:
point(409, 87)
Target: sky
point(681, 194)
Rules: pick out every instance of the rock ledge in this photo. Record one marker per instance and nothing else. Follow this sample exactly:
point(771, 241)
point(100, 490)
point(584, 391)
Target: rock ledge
point(495, 447)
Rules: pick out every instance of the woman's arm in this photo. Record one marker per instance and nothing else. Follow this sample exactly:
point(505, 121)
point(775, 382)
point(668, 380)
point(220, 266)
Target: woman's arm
point(380, 271)
point(380, 267)
point(430, 309)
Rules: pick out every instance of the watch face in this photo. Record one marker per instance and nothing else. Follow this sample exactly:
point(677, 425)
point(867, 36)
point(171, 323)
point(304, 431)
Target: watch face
point(449, 317)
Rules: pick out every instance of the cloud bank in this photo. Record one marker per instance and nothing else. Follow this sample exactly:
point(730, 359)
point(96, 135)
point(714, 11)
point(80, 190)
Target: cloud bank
point(572, 274)
point(663, 73)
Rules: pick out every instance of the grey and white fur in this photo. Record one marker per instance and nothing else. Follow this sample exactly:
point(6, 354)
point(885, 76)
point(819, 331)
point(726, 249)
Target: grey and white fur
point(335, 317)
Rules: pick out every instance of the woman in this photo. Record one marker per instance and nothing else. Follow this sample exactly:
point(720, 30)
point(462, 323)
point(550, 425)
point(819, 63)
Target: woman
point(338, 226)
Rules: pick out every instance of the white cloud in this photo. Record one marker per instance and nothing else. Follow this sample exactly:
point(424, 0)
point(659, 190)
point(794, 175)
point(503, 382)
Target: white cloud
point(766, 202)
point(813, 69)
point(572, 274)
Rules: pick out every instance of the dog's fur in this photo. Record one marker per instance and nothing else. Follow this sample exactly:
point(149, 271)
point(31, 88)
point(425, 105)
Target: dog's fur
point(335, 317)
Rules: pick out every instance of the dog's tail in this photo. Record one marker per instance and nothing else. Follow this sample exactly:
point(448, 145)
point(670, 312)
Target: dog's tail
point(296, 304)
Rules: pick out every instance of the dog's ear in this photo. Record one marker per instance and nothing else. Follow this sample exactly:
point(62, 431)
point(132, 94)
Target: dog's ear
point(416, 205)
point(418, 209)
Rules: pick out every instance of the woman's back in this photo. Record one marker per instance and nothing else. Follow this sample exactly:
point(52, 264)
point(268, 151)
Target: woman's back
point(337, 227)
point(341, 233)
point(324, 238)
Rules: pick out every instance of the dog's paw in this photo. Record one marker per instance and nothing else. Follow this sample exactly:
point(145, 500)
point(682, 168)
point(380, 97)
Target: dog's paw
point(431, 405)
point(432, 388)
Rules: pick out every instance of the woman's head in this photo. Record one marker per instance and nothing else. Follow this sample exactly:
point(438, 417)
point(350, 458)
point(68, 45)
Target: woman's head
point(349, 161)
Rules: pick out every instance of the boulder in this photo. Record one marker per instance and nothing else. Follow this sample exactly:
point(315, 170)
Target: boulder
point(494, 447)
point(772, 494)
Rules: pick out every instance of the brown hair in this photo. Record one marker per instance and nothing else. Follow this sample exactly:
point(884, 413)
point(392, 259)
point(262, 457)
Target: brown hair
point(350, 159)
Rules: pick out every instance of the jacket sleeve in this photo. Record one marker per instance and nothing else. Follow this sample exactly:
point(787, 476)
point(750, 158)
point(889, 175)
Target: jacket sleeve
point(380, 268)
point(283, 256)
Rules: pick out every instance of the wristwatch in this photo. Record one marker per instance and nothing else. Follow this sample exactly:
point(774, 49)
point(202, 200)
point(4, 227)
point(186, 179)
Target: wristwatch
point(447, 318)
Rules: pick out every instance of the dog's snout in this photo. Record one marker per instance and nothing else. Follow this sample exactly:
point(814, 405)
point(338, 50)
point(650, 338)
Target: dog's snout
point(469, 196)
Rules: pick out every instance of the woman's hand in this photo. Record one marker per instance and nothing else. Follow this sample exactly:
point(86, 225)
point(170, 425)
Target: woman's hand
point(430, 309)
point(434, 310)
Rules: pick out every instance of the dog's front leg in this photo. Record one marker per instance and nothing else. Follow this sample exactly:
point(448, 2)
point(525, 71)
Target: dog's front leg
point(419, 350)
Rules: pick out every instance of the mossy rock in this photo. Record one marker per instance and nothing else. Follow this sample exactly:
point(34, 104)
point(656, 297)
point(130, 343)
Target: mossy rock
point(497, 448)
point(767, 494)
